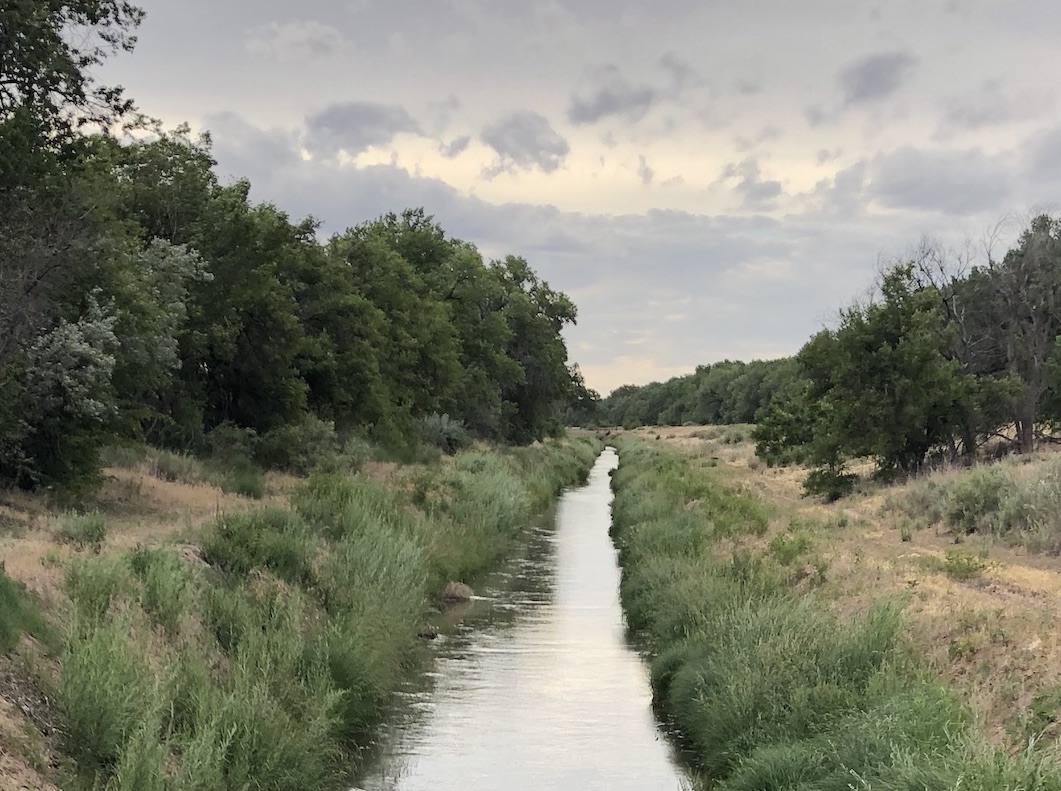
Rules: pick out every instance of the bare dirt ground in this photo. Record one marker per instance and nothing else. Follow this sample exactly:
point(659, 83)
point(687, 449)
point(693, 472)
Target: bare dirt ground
point(984, 614)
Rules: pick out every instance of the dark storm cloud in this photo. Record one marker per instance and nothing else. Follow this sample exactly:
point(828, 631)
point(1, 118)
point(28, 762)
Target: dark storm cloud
point(959, 182)
point(525, 140)
point(354, 127)
point(610, 94)
point(875, 76)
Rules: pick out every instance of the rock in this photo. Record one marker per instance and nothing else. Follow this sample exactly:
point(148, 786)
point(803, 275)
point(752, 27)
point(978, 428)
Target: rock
point(456, 592)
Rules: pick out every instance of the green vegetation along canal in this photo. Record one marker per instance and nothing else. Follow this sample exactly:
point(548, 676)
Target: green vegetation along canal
point(537, 687)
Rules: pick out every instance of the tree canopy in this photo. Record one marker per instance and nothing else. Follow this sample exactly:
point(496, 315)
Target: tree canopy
point(144, 299)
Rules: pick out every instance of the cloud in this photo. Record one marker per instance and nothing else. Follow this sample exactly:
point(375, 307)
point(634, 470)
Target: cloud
point(681, 71)
point(992, 104)
point(644, 172)
point(959, 182)
point(354, 127)
point(455, 148)
point(755, 192)
point(824, 155)
point(294, 39)
point(875, 76)
point(611, 95)
point(525, 140)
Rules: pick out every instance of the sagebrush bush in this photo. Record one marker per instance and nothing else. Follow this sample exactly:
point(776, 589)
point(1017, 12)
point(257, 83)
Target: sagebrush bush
point(445, 433)
point(974, 500)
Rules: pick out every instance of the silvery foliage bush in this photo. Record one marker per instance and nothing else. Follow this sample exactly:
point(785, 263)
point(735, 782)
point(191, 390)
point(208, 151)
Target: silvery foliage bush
point(443, 432)
point(149, 336)
point(70, 366)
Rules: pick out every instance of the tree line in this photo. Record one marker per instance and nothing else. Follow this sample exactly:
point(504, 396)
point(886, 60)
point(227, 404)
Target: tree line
point(946, 357)
point(720, 393)
point(144, 299)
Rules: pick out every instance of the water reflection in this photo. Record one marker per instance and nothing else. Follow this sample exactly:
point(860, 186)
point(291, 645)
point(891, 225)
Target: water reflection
point(536, 687)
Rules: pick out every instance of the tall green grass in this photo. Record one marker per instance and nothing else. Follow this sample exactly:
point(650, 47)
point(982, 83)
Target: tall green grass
point(281, 655)
point(19, 614)
point(766, 688)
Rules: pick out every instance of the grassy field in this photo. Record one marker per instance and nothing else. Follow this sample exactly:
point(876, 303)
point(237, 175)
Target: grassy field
point(871, 643)
point(185, 637)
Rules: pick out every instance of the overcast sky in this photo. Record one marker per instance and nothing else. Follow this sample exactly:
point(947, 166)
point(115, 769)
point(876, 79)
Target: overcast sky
point(706, 180)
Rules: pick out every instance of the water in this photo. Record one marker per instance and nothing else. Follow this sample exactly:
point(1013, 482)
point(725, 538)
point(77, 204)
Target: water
point(536, 687)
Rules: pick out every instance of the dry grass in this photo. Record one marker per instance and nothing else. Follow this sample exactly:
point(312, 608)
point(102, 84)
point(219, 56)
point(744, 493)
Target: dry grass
point(994, 635)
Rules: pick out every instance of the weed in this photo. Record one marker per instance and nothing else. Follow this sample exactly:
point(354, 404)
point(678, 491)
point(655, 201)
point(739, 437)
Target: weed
point(787, 548)
point(962, 566)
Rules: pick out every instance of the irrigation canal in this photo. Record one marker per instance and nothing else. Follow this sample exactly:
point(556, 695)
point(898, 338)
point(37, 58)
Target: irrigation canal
point(536, 686)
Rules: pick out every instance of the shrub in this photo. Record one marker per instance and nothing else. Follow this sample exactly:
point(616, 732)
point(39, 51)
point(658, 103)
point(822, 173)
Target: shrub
point(787, 548)
point(444, 433)
point(82, 530)
point(961, 566)
point(124, 456)
point(299, 447)
point(228, 442)
point(176, 467)
point(974, 500)
point(238, 475)
point(832, 483)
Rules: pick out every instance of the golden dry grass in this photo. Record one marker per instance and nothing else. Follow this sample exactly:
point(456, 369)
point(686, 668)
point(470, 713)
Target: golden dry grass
point(994, 636)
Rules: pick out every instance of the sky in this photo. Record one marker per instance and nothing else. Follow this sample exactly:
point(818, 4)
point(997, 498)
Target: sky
point(706, 180)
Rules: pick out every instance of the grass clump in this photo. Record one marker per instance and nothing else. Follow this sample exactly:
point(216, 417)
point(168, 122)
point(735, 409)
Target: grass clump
point(19, 614)
point(105, 684)
point(82, 531)
point(270, 538)
point(166, 586)
point(176, 467)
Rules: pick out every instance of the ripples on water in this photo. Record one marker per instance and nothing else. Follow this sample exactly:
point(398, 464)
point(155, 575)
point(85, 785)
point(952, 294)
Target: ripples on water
point(536, 687)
